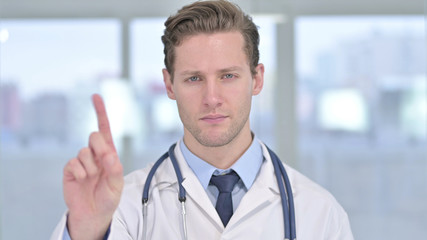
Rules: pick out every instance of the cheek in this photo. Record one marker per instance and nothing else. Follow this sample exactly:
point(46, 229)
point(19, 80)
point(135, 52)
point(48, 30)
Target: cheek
point(242, 92)
point(187, 101)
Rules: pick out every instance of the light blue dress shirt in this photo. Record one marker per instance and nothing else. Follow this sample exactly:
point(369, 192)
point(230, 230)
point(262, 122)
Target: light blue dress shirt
point(247, 167)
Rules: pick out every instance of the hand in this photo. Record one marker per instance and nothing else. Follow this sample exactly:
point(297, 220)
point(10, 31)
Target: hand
point(93, 182)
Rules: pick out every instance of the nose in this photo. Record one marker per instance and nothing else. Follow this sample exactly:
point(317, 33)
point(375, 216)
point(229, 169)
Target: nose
point(212, 93)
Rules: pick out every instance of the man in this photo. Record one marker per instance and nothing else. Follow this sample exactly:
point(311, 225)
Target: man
point(212, 71)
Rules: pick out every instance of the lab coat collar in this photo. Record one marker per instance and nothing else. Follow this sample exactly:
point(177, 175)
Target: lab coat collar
point(195, 190)
point(263, 191)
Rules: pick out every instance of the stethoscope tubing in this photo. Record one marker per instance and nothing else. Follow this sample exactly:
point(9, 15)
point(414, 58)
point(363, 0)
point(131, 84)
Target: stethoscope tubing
point(178, 173)
point(282, 181)
point(150, 177)
point(285, 195)
point(170, 153)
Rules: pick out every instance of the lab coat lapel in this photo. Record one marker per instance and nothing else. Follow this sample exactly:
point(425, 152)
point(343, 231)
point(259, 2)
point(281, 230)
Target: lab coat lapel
point(263, 191)
point(195, 190)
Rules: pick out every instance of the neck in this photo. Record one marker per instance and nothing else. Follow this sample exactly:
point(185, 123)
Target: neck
point(222, 157)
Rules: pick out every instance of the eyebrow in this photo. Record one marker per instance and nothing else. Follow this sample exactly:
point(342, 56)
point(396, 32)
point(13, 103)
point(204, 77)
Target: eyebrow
point(190, 73)
point(229, 69)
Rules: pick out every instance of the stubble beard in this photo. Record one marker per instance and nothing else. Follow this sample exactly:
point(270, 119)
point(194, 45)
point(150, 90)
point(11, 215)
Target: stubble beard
point(208, 139)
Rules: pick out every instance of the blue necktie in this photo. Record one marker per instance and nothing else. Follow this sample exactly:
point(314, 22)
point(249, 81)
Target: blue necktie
point(224, 204)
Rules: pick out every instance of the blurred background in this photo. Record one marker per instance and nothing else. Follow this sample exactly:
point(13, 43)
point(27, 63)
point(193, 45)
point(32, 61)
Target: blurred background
point(344, 102)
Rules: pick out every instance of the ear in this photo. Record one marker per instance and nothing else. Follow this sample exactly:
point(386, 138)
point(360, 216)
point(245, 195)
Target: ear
point(258, 79)
point(167, 79)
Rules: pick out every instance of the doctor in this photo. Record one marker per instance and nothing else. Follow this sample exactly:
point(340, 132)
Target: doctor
point(212, 72)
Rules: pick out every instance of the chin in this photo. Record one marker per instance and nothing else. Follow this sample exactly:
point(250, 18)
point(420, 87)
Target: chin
point(214, 139)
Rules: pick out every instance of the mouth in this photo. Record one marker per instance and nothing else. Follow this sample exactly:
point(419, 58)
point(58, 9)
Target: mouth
point(214, 118)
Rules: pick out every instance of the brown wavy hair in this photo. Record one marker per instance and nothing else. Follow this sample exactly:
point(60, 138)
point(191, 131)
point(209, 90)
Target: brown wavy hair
point(209, 17)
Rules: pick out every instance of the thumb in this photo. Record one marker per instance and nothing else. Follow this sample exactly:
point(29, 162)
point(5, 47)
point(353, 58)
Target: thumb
point(114, 172)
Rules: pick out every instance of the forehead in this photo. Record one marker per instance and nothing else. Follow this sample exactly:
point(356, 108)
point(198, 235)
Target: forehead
point(208, 51)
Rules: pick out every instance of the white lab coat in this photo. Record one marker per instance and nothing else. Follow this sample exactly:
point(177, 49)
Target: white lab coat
point(258, 216)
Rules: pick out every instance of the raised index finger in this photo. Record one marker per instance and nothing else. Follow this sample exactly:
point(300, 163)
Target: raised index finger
point(103, 123)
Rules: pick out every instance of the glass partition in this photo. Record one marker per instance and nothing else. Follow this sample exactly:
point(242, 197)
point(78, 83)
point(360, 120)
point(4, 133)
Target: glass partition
point(362, 115)
point(48, 71)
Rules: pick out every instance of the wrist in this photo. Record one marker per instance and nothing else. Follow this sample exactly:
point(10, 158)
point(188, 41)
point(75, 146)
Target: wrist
point(88, 227)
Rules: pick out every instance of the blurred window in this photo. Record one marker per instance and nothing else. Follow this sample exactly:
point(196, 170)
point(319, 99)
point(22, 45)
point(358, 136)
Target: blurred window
point(362, 115)
point(49, 69)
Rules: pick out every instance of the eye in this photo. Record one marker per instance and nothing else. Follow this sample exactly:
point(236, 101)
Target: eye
point(229, 76)
point(193, 79)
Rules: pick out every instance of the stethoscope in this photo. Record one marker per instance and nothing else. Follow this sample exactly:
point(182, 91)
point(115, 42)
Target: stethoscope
point(281, 176)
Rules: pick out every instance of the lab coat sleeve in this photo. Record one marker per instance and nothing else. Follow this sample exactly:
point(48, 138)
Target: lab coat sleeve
point(61, 231)
point(127, 219)
point(66, 235)
point(58, 233)
point(344, 229)
point(118, 230)
point(339, 225)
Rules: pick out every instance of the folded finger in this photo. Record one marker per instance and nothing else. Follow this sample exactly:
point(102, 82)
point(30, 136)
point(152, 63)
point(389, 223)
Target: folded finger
point(98, 146)
point(88, 161)
point(74, 170)
point(114, 170)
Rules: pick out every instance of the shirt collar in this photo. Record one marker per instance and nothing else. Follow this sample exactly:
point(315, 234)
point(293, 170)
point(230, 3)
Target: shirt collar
point(247, 166)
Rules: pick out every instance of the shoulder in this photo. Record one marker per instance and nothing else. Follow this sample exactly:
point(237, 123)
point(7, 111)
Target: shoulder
point(138, 177)
point(302, 185)
point(135, 181)
point(313, 200)
point(306, 191)
point(133, 185)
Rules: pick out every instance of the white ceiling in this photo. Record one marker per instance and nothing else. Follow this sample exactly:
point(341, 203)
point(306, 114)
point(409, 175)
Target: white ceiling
point(141, 8)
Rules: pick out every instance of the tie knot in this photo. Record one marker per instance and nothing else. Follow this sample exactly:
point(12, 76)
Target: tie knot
point(225, 183)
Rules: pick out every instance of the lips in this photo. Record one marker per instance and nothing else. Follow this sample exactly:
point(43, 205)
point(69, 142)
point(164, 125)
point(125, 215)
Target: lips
point(213, 118)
